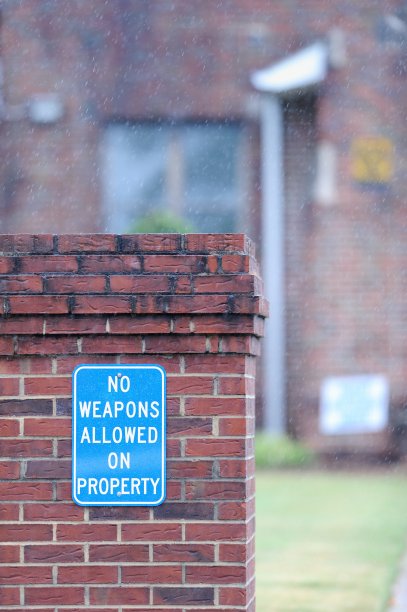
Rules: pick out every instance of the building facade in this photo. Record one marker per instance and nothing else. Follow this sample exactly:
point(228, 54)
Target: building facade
point(110, 110)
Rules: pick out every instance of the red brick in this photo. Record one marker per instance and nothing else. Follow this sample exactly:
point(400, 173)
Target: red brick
point(6, 265)
point(215, 406)
point(26, 365)
point(47, 386)
point(82, 325)
point(38, 304)
point(119, 595)
point(151, 242)
point(240, 344)
point(24, 491)
point(54, 595)
point(112, 344)
point(232, 511)
point(67, 364)
point(53, 512)
point(21, 284)
point(233, 283)
point(213, 264)
point(17, 447)
point(10, 554)
point(26, 243)
point(140, 284)
point(22, 325)
point(119, 513)
point(232, 468)
point(63, 491)
point(118, 553)
point(185, 511)
point(153, 574)
point(6, 346)
point(87, 574)
point(219, 324)
point(182, 553)
point(190, 385)
point(203, 243)
point(189, 469)
point(154, 532)
point(25, 532)
point(10, 365)
point(27, 574)
point(53, 345)
point(170, 363)
point(215, 532)
point(48, 427)
point(9, 428)
point(175, 344)
point(87, 243)
point(97, 304)
point(222, 447)
point(173, 448)
point(173, 491)
point(236, 427)
point(139, 325)
point(54, 469)
point(212, 574)
point(53, 553)
point(183, 284)
point(200, 489)
point(189, 427)
point(183, 324)
point(233, 553)
point(9, 470)
point(50, 263)
point(64, 447)
point(75, 284)
point(175, 264)
point(235, 263)
point(110, 264)
point(235, 364)
point(8, 512)
point(86, 532)
point(236, 386)
point(18, 407)
point(9, 386)
point(233, 596)
point(9, 596)
point(183, 595)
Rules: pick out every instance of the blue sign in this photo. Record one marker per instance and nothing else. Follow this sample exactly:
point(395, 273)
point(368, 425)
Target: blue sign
point(118, 435)
point(354, 404)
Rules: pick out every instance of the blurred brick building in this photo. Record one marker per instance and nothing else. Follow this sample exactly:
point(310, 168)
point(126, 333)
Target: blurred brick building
point(109, 109)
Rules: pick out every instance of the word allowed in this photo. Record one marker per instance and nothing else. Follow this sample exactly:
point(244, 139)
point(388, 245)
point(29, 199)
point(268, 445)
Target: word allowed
point(118, 437)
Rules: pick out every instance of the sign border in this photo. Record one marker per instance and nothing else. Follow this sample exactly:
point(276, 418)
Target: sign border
point(164, 437)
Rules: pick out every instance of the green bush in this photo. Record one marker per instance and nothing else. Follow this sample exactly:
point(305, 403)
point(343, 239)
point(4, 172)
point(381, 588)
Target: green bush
point(161, 222)
point(281, 452)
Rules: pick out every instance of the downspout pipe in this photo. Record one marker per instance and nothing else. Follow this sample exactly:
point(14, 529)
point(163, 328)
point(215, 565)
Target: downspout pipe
point(273, 256)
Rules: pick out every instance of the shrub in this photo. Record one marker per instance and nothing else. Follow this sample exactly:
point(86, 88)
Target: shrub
point(161, 222)
point(281, 452)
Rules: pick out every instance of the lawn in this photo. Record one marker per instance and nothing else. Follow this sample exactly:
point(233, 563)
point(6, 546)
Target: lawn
point(329, 542)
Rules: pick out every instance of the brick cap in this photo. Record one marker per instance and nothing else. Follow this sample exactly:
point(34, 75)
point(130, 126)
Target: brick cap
point(133, 274)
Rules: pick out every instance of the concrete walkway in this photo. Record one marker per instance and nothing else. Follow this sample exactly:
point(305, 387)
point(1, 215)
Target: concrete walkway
point(398, 601)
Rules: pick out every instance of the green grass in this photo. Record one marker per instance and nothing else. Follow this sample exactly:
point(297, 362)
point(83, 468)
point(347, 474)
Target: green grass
point(328, 542)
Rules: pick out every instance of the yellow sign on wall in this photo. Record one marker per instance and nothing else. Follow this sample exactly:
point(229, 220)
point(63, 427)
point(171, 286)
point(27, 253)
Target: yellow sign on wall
point(372, 160)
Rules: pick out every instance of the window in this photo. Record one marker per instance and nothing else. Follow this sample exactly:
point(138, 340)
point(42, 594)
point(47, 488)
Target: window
point(195, 170)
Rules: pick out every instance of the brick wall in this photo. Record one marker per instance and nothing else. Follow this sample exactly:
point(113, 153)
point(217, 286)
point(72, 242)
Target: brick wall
point(189, 303)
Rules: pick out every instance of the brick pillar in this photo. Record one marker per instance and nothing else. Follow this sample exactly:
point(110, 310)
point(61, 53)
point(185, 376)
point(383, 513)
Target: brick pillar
point(192, 304)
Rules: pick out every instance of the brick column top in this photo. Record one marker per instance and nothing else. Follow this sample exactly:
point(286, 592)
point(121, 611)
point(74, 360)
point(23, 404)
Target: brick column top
point(130, 274)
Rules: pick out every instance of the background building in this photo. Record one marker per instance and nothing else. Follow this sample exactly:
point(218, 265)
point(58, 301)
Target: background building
point(110, 110)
